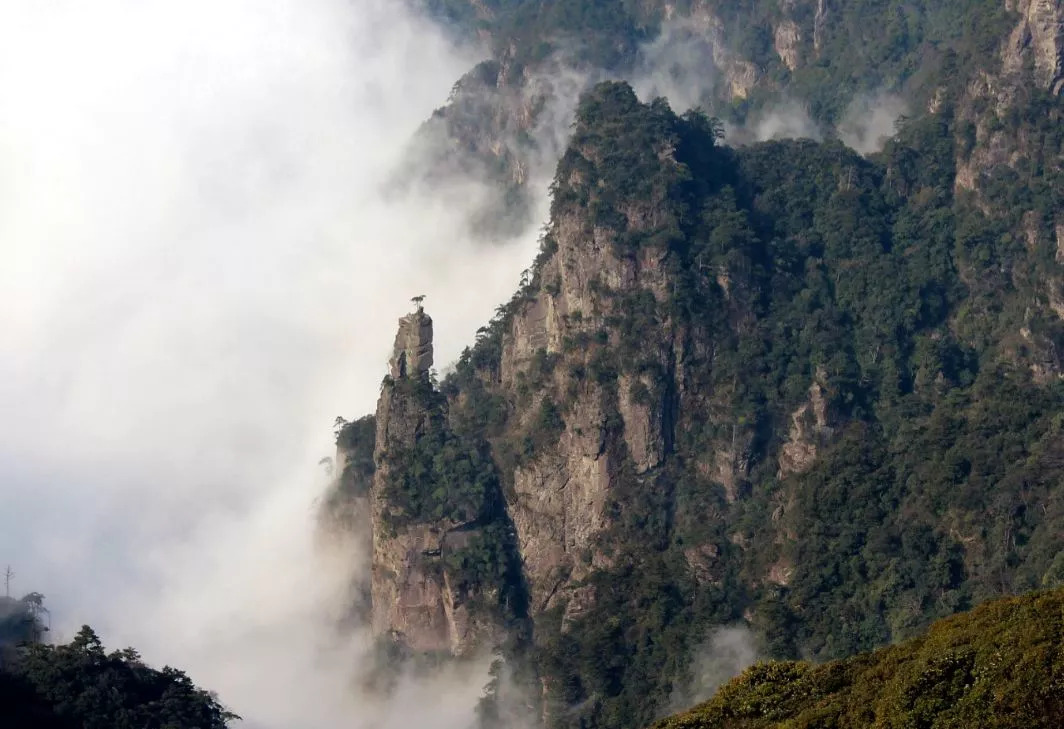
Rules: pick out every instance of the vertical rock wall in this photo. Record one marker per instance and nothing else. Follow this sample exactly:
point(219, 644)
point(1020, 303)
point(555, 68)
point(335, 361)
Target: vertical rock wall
point(414, 600)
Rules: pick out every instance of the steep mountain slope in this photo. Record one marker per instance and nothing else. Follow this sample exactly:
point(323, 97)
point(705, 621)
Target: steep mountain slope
point(782, 384)
point(806, 67)
point(1002, 665)
point(821, 52)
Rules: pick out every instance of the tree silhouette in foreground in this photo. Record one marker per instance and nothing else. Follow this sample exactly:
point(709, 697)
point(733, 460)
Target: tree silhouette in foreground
point(81, 685)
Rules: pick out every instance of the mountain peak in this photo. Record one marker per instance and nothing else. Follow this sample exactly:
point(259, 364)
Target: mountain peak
point(412, 352)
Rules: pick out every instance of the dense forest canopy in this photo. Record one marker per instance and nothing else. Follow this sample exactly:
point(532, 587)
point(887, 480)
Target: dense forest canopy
point(79, 685)
point(1002, 666)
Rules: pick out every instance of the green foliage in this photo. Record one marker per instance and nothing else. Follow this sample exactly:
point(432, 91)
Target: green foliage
point(24, 708)
point(1001, 666)
point(442, 477)
point(773, 267)
point(546, 428)
point(622, 171)
point(356, 441)
point(616, 663)
point(80, 685)
point(484, 562)
point(928, 519)
point(871, 46)
point(863, 47)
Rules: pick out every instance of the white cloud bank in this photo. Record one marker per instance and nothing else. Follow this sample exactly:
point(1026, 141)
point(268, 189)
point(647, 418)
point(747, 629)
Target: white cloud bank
point(197, 273)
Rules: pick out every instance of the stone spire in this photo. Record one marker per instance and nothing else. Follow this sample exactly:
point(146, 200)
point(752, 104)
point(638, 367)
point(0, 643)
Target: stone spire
point(412, 354)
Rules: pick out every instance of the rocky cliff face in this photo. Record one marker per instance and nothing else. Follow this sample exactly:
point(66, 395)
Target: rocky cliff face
point(600, 379)
point(1009, 121)
point(561, 494)
point(584, 416)
point(1031, 62)
point(408, 601)
point(770, 384)
point(752, 384)
point(618, 417)
point(810, 429)
point(416, 599)
point(412, 352)
point(1038, 36)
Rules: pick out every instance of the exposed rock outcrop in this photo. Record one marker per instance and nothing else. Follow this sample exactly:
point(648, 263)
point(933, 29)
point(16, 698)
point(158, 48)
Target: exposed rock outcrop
point(414, 600)
point(412, 353)
point(560, 497)
point(810, 427)
point(820, 21)
point(740, 75)
point(1039, 33)
point(407, 595)
point(559, 504)
point(787, 42)
point(1035, 46)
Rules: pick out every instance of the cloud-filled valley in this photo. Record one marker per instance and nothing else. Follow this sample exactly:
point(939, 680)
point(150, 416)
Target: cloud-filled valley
point(200, 274)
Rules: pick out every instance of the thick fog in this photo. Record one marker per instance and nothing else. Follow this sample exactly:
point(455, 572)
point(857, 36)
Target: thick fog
point(198, 274)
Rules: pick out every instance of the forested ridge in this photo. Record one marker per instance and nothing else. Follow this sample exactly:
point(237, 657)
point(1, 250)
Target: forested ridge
point(798, 266)
point(818, 393)
point(1002, 665)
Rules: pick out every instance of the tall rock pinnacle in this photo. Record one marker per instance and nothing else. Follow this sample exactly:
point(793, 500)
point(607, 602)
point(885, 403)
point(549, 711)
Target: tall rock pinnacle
point(412, 354)
point(417, 596)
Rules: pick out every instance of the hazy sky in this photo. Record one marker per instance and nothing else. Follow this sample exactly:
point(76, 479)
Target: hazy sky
point(197, 276)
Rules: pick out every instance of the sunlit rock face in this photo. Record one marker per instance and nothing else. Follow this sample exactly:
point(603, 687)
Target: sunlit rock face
point(412, 353)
